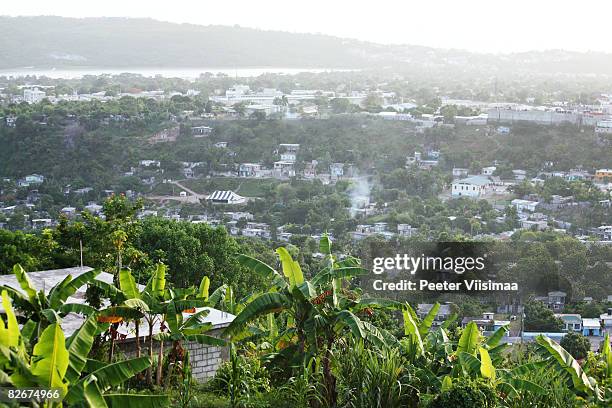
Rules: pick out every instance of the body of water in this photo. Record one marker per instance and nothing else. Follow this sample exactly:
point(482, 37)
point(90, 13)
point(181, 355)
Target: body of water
point(185, 73)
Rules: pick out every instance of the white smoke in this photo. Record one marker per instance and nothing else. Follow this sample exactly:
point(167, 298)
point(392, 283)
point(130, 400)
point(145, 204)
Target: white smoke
point(360, 195)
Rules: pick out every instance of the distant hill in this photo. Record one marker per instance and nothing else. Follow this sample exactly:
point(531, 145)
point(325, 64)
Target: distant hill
point(121, 42)
point(47, 42)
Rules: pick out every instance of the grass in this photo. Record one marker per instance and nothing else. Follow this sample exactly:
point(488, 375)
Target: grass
point(242, 186)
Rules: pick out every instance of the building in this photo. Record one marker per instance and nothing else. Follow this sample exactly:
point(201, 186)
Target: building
point(591, 327)
point(542, 117)
point(201, 131)
point(571, 322)
point(406, 230)
point(488, 171)
point(474, 186)
point(419, 161)
point(524, 205)
point(94, 208)
point(336, 170)
point(249, 169)
point(604, 126)
point(603, 176)
point(34, 179)
point(205, 360)
point(519, 174)
point(444, 312)
point(225, 197)
point(556, 300)
point(284, 169)
point(150, 163)
point(606, 320)
point(460, 172)
point(33, 95)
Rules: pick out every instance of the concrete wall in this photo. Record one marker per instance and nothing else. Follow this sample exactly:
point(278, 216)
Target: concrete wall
point(205, 360)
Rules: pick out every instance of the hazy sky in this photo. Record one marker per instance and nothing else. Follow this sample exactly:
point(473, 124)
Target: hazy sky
point(477, 25)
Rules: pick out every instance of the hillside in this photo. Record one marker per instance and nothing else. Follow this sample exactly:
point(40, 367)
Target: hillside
point(121, 42)
point(57, 42)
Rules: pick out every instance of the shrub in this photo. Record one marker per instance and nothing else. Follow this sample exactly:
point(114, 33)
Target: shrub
point(576, 344)
point(242, 376)
point(466, 394)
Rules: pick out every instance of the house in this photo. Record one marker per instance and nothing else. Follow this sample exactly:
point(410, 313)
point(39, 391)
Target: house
point(225, 197)
point(556, 300)
point(460, 172)
point(94, 208)
point(603, 176)
point(205, 360)
point(39, 223)
point(519, 175)
point(419, 161)
point(201, 131)
point(10, 121)
point(606, 321)
point(32, 179)
point(239, 215)
point(474, 186)
point(591, 327)
point(249, 169)
point(444, 312)
point(336, 170)
point(405, 230)
point(150, 163)
point(502, 130)
point(524, 205)
point(605, 232)
point(604, 126)
point(288, 156)
point(571, 322)
point(284, 169)
point(68, 211)
point(33, 95)
point(488, 171)
point(487, 323)
point(310, 169)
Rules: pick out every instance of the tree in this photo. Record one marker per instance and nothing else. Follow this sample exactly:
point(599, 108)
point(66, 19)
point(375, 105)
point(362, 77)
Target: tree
point(539, 318)
point(576, 344)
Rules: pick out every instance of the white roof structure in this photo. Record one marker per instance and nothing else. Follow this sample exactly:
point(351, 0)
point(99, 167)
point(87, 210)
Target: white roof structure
point(71, 322)
point(591, 323)
point(226, 197)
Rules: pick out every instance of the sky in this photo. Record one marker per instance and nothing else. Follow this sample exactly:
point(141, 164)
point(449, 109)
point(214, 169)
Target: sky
point(476, 25)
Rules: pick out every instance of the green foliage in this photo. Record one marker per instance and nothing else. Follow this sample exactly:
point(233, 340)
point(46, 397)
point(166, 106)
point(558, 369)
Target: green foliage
point(466, 394)
point(576, 344)
point(539, 318)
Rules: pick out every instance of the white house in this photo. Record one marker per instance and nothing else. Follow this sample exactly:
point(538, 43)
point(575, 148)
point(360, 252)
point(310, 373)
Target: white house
point(249, 169)
point(474, 186)
point(406, 230)
point(488, 171)
point(284, 169)
point(33, 95)
point(336, 170)
point(524, 205)
point(460, 172)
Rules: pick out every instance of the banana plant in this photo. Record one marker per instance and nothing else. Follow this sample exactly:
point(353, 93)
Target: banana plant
point(567, 366)
point(316, 313)
point(43, 309)
point(57, 362)
point(181, 329)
